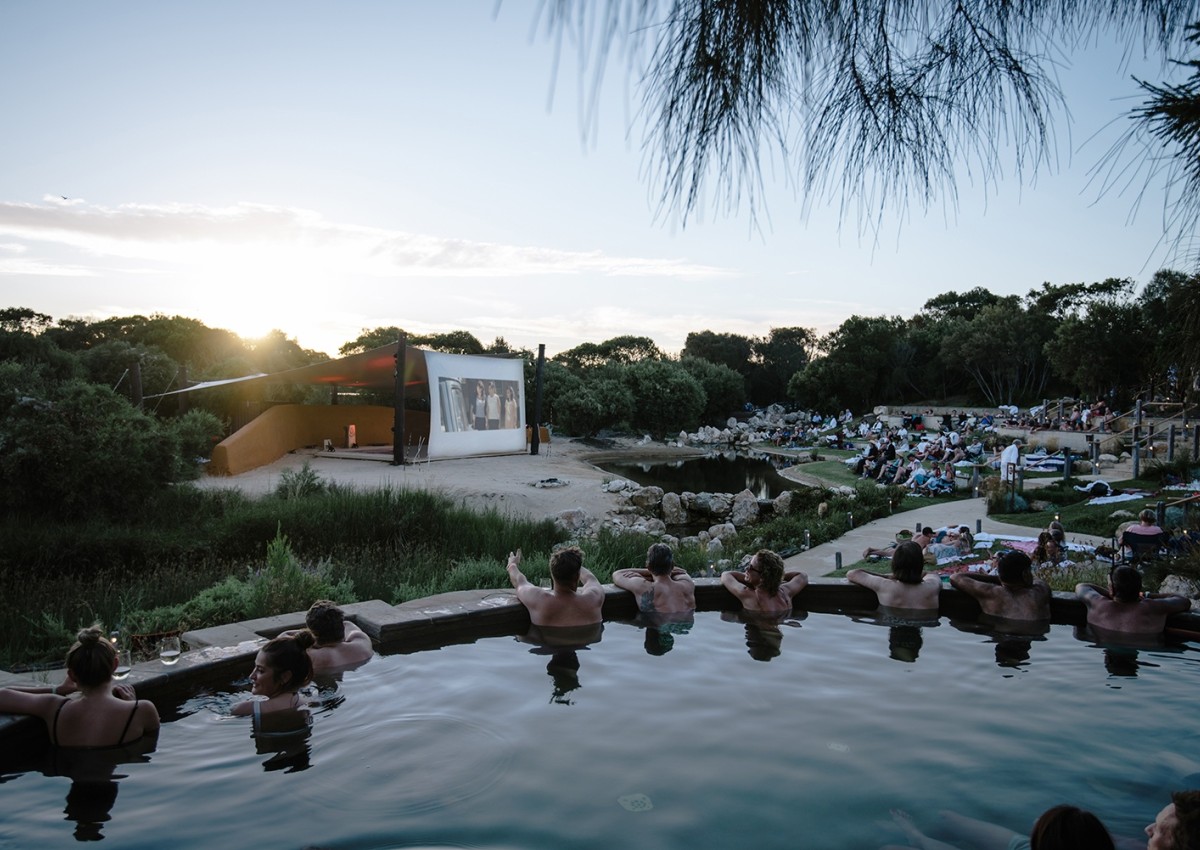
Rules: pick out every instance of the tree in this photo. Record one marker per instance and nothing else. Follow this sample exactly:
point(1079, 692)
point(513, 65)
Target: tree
point(875, 101)
point(619, 349)
point(858, 368)
point(951, 305)
point(1002, 349)
point(24, 320)
point(374, 338)
point(724, 389)
point(732, 350)
point(780, 354)
point(666, 397)
point(451, 342)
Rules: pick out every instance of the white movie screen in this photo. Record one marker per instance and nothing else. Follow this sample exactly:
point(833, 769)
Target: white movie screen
point(478, 405)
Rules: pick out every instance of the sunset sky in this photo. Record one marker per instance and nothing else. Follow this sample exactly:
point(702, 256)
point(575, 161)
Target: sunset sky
point(322, 168)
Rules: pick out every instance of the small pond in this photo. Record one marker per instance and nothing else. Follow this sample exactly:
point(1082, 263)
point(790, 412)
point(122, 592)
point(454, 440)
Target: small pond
point(720, 472)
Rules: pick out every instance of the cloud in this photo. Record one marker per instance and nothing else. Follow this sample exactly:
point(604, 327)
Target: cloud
point(267, 238)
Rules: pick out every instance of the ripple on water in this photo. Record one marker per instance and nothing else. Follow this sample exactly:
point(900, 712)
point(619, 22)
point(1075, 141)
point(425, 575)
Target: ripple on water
point(417, 763)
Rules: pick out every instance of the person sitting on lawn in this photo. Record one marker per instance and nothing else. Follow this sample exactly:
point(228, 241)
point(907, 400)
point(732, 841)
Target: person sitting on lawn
point(1014, 594)
point(1123, 609)
point(908, 587)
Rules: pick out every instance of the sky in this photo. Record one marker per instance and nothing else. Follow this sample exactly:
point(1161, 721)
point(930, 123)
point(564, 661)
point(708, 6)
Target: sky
point(325, 168)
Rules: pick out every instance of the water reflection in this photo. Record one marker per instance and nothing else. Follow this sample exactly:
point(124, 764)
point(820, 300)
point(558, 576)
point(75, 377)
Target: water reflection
point(723, 472)
point(562, 644)
point(285, 738)
point(764, 635)
point(1013, 639)
point(904, 625)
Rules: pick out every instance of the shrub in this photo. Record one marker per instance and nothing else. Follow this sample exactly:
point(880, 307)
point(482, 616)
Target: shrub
point(299, 483)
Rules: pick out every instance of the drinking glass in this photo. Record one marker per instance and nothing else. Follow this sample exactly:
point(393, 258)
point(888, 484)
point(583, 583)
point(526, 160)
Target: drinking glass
point(168, 650)
point(124, 663)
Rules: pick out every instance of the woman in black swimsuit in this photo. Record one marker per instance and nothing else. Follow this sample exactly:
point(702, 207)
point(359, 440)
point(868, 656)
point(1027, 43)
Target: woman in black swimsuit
point(86, 711)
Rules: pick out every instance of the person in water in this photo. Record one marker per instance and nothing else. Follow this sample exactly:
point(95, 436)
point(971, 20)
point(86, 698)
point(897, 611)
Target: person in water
point(281, 668)
point(1057, 828)
point(764, 586)
point(87, 711)
point(1177, 826)
point(908, 586)
point(1012, 595)
point(338, 642)
point(1123, 609)
point(661, 587)
point(575, 598)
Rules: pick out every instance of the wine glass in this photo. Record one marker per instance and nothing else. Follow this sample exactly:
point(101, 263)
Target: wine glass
point(124, 664)
point(168, 650)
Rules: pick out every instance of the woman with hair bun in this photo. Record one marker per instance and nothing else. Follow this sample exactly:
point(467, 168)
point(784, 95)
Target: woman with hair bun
point(281, 669)
point(87, 711)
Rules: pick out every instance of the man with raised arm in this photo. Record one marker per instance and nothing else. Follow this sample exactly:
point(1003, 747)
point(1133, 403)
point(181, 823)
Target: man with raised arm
point(575, 598)
point(764, 586)
point(1014, 594)
point(1123, 609)
point(661, 587)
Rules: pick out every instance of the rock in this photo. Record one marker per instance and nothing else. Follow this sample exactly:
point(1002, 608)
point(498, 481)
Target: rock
point(673, 512)
point(645, 441)
point(703, 537)
point(551, 482)
point(783, 503)
point(1181, 586)
point(719, 505)
point(573, 519)
point(1122, 514)
point(731, 422)
point(724, 529)
point(744, 510)
point(823, 510)
point(653, 525)
point(647, 498)
point(682, 438)
point(689, 542)
point(618, 485)
point(715, 546)
point(670, 539)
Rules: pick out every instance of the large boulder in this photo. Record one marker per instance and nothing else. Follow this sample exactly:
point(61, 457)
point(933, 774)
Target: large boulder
point(783, 503)
point(573, 519)
point(716, 547)
point(673, 512)
point(1181, 586)
point(647, 498)
point(744, 510)
point(722, 530)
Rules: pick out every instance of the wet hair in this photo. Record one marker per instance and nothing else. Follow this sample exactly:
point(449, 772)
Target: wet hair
point(908, 563)
point(1186, 834)
point(90, 658)
point(659, 559)
point(1013, 567)
point(1126, 583)
point(1148, 515)
point(1069, 828)
point(326, 621)
point(566, 563)
point(770, 568)
point(290, 655)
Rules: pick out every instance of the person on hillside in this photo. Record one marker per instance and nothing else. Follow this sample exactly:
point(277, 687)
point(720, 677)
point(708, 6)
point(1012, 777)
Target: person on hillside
point(1009, 462)
point(764, 586)
point(1049, 551)
point(281, 668)
point(86, 711)
point(1123, 610)
point(953, 543)
point(908, 587)
point(1013, 594)
point(1145, 535)
point(1177, 826)
point(575, 599)
point(661, 587)
point(337, 642)
point(922, 539)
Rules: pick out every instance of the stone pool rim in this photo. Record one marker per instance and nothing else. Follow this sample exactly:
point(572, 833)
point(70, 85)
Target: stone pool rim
point(465, 616)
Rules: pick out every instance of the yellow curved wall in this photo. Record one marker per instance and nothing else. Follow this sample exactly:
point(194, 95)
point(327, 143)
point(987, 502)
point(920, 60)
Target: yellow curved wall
point(287, 427)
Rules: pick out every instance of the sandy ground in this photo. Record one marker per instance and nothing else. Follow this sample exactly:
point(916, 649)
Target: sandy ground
point(504, 482)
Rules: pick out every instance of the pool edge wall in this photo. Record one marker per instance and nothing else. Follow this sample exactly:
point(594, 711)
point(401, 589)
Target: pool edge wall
point(465, 616)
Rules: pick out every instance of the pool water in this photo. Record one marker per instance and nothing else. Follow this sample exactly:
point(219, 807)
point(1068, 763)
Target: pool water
point(799, 735)
point(725, 472)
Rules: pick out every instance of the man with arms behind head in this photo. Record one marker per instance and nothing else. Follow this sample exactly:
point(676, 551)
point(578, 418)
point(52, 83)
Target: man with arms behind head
point(661, 587)
point(764, 586)
point(575, 599)
point(1014, 595)
point(1123, 609)
point(337, 643)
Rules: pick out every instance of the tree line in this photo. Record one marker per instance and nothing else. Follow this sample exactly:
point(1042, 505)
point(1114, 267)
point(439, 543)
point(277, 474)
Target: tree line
point(70, 440)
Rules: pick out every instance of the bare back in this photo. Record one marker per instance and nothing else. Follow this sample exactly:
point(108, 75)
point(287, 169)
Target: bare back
point(1143, 617)
point(663, 594)
point(354, 648)
point(893, 593)
point(1007, 602)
